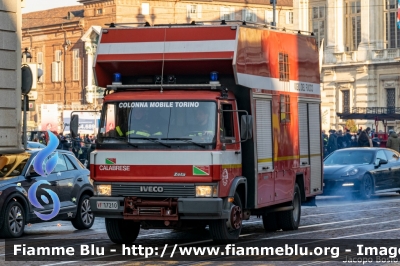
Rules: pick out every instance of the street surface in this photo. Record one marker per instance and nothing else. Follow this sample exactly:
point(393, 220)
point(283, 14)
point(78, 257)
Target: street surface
point(334, 217)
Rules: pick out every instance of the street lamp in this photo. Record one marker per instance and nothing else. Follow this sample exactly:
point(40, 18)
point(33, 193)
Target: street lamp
point(26, 55)
point(26, 86)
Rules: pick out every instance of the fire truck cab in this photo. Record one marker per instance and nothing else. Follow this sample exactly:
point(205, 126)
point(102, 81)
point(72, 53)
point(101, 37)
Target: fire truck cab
point(206, 125)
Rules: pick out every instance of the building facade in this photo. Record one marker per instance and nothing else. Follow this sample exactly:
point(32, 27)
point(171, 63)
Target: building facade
point(10, 75)
point(361, 49)
point(63, 42)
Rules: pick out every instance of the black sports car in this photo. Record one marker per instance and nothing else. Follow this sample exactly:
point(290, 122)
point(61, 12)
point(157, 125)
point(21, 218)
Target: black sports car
point(364, 171)
point(61, 195)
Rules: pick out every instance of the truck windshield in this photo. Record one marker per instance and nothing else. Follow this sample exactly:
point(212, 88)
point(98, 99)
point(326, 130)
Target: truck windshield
point(189, 122)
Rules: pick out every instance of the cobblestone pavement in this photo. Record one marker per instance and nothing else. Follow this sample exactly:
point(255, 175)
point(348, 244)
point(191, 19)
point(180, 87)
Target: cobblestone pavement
point(334, 217)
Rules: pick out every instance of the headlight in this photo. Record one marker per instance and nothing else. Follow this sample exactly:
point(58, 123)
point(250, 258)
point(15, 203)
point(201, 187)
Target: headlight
point(206, 191)
point(103, 190)
point(351, 172)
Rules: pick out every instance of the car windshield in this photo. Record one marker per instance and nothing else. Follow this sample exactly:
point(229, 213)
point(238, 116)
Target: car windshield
point(12, 164)
point(350, 157)
point(171, 122)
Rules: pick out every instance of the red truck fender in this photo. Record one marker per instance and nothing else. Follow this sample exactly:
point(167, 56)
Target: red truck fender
point(239, 184)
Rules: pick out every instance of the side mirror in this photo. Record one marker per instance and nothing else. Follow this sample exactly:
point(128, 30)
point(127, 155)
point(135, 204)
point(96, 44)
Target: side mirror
point(31, 172)
point(246, 127)
point(382, 161)
point(74, 125)
point(379, 162)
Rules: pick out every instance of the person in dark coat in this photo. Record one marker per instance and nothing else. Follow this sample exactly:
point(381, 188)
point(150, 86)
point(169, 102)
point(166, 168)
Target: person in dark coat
point(364, 140)
point(332, 141)
point(393, 141)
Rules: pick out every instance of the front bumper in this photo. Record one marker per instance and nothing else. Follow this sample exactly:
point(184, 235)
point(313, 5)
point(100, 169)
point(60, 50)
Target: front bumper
point(188, 209)
point(339, 187)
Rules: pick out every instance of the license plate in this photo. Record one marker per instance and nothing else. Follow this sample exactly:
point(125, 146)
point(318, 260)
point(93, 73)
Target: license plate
point(107, 205)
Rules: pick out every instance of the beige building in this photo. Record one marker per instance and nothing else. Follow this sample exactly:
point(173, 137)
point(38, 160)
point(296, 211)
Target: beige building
point(360, 56)
point(10, 75)
point(63, 40)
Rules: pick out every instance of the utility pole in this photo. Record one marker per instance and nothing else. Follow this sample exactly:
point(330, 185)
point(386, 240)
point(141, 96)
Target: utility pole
point(273, 2)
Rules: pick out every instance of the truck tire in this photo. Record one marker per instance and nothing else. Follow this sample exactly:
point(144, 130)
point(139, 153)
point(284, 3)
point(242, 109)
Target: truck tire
point(84, 218)
point(270, 222)
point(14, 220)
point(219, 230)
point(290, 220)
point(122, 231)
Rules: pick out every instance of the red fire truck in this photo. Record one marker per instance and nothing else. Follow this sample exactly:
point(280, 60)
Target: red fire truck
point(206, 125)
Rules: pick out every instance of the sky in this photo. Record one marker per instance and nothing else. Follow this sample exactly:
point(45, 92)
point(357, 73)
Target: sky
point(37, 5)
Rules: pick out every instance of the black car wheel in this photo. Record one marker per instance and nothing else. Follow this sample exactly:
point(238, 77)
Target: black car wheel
point(366, 187)
point(84, 218)
point(14, 220)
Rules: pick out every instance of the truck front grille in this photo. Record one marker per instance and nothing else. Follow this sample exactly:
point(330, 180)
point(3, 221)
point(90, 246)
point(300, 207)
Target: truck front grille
point(160, 190)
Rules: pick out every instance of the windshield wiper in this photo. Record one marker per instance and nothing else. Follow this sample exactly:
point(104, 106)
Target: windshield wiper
point(189, 140)
point(155, 140)
point(123, 140)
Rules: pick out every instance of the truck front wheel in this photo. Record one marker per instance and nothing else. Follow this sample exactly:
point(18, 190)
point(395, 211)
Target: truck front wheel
point(223, 231)
point(122, 231)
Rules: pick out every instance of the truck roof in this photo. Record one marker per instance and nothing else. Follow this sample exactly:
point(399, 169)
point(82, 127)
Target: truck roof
point(251, 55)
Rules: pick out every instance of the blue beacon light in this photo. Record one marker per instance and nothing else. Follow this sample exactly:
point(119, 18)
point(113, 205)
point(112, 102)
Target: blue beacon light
point(117, 78)
point(214, 76)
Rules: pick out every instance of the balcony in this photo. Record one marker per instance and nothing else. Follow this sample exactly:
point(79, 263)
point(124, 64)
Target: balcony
point(346, 57)
point(371, 113)
point(386, 54)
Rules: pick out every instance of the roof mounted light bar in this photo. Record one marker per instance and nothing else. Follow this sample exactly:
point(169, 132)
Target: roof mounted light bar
point(212, 86)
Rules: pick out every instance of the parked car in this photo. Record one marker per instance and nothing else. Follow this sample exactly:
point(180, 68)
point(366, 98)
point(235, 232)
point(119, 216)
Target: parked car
point(35, 145)
point(69, 180)
point(364, 171)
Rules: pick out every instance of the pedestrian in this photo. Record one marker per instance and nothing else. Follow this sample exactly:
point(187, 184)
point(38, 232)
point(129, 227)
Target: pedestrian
point(341, 140)
point(76, 146)
point(393, 141)
point(324, 142)
point(332, 141)
point(364, 140)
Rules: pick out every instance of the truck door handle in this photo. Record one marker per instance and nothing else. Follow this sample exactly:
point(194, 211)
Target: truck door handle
point(80, 179)
point(304, 163)
point(265, 168)
point(237, 152)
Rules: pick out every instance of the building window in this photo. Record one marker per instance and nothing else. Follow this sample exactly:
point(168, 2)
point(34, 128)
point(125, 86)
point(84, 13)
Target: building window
point(193, 11)
point(145, 8)
point(285, 108)
point(249, 14)
point(227, 13)
point(289, 17)
point(353, 25)
point(99, 11)
point(318, 23)
point(346, 101)
point(283, 67)
point(392, 33)
point(391, 100)
point(40, 64)
point(57, 67)
point(75, 65)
